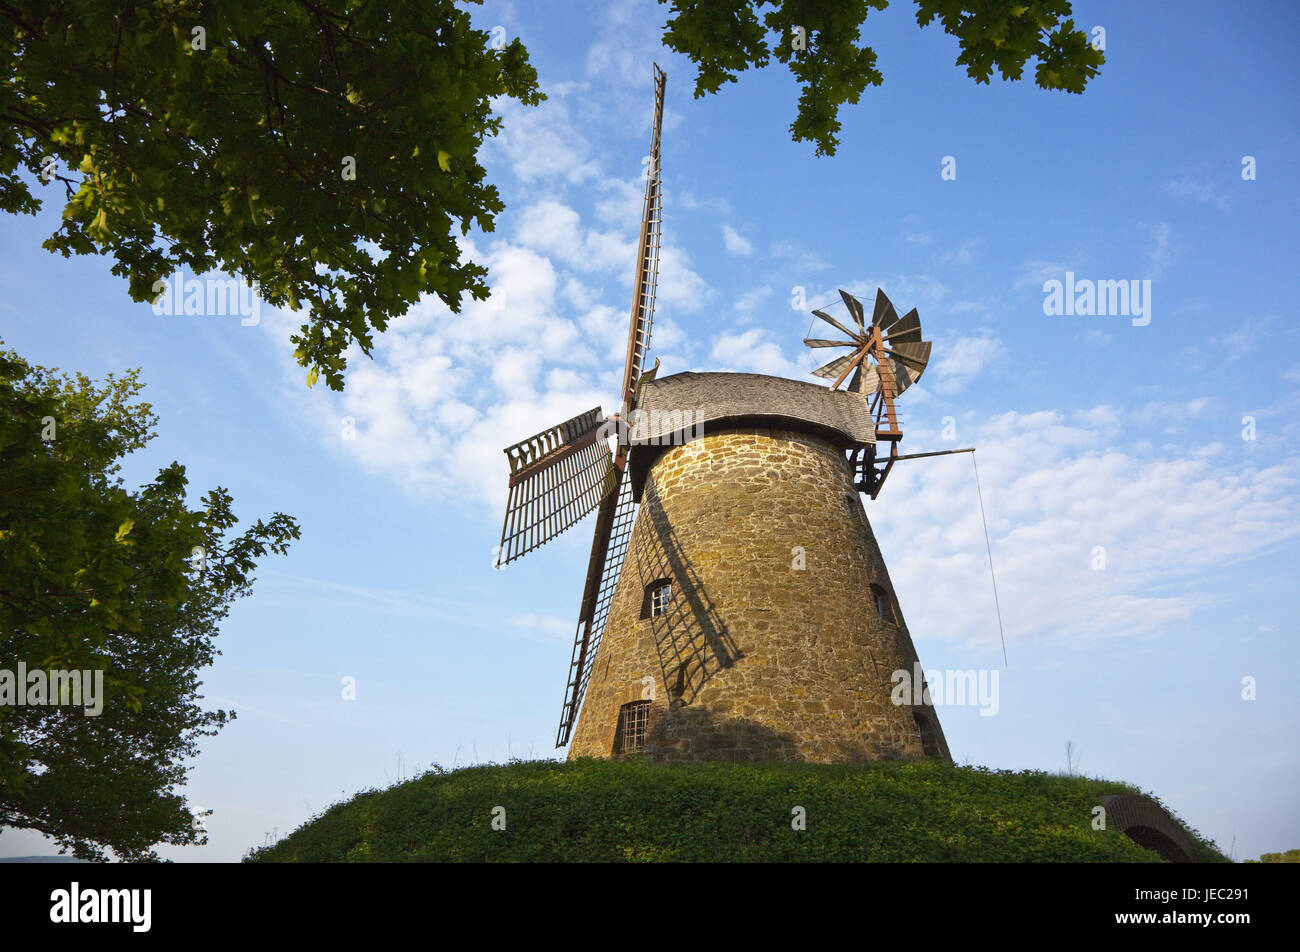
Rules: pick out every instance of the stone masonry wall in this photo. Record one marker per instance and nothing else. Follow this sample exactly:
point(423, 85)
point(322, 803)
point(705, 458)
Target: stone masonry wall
point(771, 649)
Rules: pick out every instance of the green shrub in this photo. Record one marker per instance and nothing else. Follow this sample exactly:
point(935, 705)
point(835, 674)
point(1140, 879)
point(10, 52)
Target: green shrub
point(635, 811)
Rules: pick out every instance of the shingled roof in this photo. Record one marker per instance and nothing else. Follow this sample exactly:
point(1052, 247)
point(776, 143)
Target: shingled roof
point(686, 406)
point(670, 405)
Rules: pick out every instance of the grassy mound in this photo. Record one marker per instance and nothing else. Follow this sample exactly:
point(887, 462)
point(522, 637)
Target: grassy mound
point(600, 811)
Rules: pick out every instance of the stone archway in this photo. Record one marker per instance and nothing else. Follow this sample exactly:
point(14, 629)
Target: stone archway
point(1150, 826)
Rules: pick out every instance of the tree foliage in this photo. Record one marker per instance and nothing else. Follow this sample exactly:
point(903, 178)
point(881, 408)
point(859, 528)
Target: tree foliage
point(221, 136)
point(724, 37)
point(96, 577)
point(1290, 856)
point(327, 150)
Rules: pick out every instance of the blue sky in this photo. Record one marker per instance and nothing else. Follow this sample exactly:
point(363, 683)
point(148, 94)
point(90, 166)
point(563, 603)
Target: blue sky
point(1091, 431)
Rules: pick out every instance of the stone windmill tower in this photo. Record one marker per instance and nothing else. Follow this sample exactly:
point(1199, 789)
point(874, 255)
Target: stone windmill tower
point(736, 605)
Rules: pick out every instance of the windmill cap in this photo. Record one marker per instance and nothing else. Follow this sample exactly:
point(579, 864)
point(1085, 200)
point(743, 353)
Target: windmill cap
point(674, 409)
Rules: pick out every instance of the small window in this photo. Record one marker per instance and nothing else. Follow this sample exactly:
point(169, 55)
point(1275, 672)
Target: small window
point(929, 739)
point(883, 603)
point(657, 597)
point(633, 720)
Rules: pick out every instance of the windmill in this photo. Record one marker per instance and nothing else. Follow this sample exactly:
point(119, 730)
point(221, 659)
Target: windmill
point(560, 474)
point(736, 604)
point(886, 358)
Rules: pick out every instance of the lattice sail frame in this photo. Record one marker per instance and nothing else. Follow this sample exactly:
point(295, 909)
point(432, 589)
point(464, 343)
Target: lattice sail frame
point(557, 477)
point(561, 474)
point(647, 277)
point(591, 629)
point(617, 510)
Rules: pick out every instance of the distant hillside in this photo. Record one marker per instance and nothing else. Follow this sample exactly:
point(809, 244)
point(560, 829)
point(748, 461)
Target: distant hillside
point(42, 859)
point(599, 811)
point(1290, 856)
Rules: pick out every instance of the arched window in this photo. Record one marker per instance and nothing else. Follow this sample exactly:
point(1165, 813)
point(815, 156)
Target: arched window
point(658, 595)
point(633, 721)
point(883, 604)
point(929, 739)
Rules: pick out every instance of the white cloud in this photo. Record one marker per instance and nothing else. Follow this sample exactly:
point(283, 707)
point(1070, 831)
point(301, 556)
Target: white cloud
point(1160, 255)
point(622, 202)
point(796, 258)
point(712, 204)
point(679, 286)
point(1034, 273)
point(753, 351)
point(544, 627)
point(626, 42)
point(542, 142)
point(1096, 338)
point(736, 243)
point(551, 227)
point(905, 291)
point(963, 254)
point(627, 39)
point(1155, 411)
point(964, 359)
point(1199, 191)
point(554, 228)
point(444, 393)
point(1054, 491)
point(1237, 344)
point(753, 299)
point(912, 232)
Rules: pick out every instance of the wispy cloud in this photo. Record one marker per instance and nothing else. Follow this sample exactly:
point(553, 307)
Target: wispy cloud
point(1200, 191)
point(796, 258)
point(443, 392)
point(736, 243)
point(543, 141)
point(1238, 343)
point(1034, 273)
point(963, 360)
point(553, 228)
point(1160, 253)
point(913, 233)
point(753, 351)
point(753, 299)
point(1061, 499)
point(963, 254)
point(246, 709)
point(547, 628)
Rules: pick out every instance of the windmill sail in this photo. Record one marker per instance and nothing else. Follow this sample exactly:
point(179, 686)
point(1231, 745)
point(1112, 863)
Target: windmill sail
point(647, 272)
point(888, 356)
point(607, 552)
point(617, 508)
point(556, 477)
point(893, 343)
point(561, 474)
